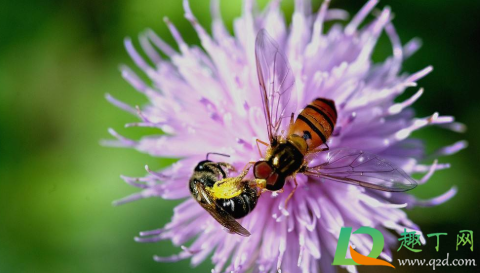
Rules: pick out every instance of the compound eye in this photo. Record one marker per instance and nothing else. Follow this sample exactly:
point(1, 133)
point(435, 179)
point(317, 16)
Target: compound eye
point(262, 170)
point(272, 180)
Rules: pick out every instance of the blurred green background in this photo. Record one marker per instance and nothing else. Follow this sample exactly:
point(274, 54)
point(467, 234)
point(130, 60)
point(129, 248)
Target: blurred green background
point(59, 58)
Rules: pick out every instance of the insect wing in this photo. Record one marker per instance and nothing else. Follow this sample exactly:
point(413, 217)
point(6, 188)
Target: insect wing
point(222, 217)
point(360, 168)
point(276, 82)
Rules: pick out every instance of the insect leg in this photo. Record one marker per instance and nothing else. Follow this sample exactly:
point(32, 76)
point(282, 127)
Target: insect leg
point(239, 178)
point(258, 146)
point(227, 166)
point(247, 167)
point(293, 191)
point(258, 183)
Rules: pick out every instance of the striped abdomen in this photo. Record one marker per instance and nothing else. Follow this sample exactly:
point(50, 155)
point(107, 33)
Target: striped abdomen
point(240, 205)
point(316, 122)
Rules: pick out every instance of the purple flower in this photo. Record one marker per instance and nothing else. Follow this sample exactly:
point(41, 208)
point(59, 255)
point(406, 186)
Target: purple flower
point(208, 100)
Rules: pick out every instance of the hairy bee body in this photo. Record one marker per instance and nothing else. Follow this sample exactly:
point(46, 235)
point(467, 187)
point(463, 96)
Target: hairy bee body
point(234, 197)
point(240, 205)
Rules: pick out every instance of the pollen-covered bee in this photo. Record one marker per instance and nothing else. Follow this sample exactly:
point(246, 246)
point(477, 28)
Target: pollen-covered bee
point(225, 198)
point(299, 150)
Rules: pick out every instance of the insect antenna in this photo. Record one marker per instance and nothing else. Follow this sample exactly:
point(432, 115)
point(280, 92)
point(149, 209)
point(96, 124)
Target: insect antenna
point(217, 154)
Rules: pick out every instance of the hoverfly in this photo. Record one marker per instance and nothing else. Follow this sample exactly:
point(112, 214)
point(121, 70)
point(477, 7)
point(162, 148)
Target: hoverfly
point(229, 198)
point(299, 150)
point(225, 198)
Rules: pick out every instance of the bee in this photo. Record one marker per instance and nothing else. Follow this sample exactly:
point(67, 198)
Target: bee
point(299, 151)
point(225, 198)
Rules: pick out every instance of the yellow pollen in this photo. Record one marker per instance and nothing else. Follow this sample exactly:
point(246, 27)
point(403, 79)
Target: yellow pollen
point(226, 188)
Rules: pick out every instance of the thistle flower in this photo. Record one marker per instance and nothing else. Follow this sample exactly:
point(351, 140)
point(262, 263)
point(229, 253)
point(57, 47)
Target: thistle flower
point(207, 100)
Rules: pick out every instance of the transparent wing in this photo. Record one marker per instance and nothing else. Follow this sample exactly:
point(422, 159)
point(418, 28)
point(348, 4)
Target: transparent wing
point(222, 217)
point(276, 82)
point(360, 168)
